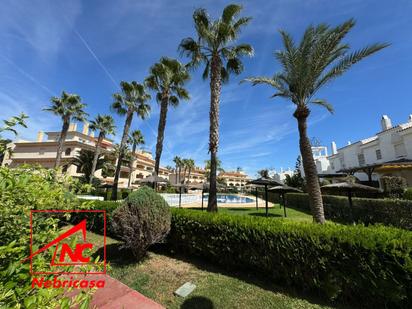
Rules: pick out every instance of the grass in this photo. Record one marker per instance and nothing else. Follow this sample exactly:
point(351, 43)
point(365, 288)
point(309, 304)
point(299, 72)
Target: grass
point(162, 272)
point(274, 212)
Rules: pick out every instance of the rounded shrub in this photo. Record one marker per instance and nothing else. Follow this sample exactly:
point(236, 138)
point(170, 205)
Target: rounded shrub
point(143, 219)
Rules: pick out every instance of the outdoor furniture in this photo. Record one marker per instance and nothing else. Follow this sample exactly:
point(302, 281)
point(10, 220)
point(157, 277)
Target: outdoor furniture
point(349, 188)
point(264, 181)
point(282, 190)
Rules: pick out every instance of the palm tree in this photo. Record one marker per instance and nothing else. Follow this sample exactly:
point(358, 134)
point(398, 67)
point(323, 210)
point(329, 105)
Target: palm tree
point(178, 164)
point(213, 47)
point(264, 173)
point(136, 138)
point(208, 164)
point(167, 78)
point(190, 163)
point(131, 100)
point(185, 165)
point(85, 160)
point(319, 58)
point(105, 125)
point(69, 107)
point(9, 126)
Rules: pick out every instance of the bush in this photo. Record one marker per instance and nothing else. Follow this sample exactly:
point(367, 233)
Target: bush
point(357, 264)
point(393, 186)
point(407, 195)
point(23, 189)
point(393, 212)
point(94, 222)
point(142, 220)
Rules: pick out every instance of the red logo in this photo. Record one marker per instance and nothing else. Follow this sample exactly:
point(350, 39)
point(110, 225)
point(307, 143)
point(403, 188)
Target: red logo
point(67, 254)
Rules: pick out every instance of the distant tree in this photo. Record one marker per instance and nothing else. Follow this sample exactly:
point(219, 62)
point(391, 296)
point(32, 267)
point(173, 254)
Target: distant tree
point(219, 167)
point(167, 78)
point(264, 173)
point(296, 180)
point(9, 126)
point(84, 162)
point(105, 125)
point(179, 164)
point(190, 163)
point(239, 169)
point(136, 138)
point(214, 47)
point(132, 100)
point(68, 107)
point(307, 67)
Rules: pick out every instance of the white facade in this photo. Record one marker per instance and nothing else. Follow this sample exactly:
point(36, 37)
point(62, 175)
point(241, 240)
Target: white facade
point(387, 152)
point(281, 174)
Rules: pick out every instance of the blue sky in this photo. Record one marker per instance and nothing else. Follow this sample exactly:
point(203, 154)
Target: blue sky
point(88, 47)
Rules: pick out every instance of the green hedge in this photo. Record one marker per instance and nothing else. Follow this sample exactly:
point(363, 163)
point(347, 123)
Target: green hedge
point(393, 212)
point(94, 221)
point(356, 264)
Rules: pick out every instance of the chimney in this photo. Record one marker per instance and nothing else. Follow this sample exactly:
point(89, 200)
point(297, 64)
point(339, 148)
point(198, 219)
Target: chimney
point(73, 127)
point(91, 134)
point(349, 143)
point(410, 118)
point(40, 135)
point(386, 123)
point(334, 148)
point(85, 128)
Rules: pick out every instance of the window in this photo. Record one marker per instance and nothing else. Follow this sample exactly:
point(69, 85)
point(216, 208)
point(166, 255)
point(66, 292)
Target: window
point(361, 159)
point(378, 154)
point(332, 166)
point(67, 151)
point(64, 170)
point(400, 150)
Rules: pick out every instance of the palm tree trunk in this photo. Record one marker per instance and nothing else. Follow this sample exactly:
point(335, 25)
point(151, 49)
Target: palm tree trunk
point(62, 138)
point(309, 166)
point(123, 143)
point(161, 131)
point(188, 176)
point(131, 165)
point(176, 169)
point(215, 88)
point(184, 175)
point(96, 156)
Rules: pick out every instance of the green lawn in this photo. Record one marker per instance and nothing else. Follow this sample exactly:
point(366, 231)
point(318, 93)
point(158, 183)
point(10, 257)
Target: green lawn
point(274, 212)
point(162, 272)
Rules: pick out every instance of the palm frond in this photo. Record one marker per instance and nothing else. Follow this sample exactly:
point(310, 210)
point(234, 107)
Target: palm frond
point(323, 103)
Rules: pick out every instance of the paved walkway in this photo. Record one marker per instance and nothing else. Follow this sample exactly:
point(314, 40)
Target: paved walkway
point(116, 295)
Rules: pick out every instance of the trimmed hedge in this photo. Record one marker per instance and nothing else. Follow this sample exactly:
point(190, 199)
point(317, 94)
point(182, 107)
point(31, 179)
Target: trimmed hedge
point(94, 220)
point(363, 265)
point(393, 212)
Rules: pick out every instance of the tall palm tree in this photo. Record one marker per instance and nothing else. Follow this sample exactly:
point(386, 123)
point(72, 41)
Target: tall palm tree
point(214, 46)
point(68, 107)
point(178, 164)
point(190, 163)
point(131, 100)
point(167, 78)
point(318, 59)
point(105, 125)
point(135, 138)
point(185, 165)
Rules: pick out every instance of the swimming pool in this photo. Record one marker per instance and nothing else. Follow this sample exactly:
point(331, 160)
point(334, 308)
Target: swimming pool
point(173, 199)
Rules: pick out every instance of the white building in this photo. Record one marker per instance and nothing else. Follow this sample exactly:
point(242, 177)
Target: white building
point(43, 152)
point(388, 153)
point(281, 174)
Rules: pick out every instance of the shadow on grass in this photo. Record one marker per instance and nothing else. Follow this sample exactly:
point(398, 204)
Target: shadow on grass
point(249, 276)
point(263, 214)
point(197, 302)
point(116, 255)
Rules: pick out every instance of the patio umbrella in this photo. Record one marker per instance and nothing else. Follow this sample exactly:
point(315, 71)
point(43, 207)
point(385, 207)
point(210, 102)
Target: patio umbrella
point(153, 179)
point(264, 181)
point(349, 188)
point(282, 190)
point(199, 186)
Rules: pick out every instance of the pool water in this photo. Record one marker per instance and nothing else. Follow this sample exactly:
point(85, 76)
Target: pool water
point(173, 199)
point(231, 199)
